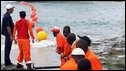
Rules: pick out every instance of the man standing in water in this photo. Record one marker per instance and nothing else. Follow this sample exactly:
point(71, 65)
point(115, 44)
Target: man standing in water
point(7, 30)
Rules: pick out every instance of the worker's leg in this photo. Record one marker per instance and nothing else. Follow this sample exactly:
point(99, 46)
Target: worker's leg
point(20, 55)
point(27, 53)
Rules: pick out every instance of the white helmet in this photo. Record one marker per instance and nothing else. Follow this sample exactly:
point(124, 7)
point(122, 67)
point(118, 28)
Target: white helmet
point(78, 51)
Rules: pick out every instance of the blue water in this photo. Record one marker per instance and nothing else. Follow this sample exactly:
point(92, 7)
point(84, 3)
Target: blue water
point(98, 20)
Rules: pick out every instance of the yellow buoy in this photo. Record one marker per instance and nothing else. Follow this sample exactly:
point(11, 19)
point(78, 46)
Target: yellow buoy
point(41, 35)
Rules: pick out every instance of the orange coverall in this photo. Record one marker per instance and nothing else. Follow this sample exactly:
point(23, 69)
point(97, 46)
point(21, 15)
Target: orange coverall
point(95, 62)
point(22, 27)
point(63, 47)
point(69, 65)
point(66, 52)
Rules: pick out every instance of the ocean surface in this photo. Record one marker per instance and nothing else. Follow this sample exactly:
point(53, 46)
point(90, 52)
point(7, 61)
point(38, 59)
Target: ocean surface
point(98, 20)
point(95, 19)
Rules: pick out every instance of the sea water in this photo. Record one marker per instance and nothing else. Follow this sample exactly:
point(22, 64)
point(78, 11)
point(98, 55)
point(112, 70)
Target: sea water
point(98, 20)
point(95, 19)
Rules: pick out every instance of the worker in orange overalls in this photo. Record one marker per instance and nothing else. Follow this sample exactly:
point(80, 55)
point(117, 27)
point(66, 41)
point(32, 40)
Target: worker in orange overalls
point(95, 62)
point(60, 40)
point(67, 47)
point(23, 28)
point(72, 64)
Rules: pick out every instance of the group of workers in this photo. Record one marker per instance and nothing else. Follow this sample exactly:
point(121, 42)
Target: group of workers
point(74, 53)
point(19, 32)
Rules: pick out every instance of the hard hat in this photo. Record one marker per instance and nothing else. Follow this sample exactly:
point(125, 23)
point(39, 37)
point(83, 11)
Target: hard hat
point(55, 29)
point(9, 6)
point(78, 51)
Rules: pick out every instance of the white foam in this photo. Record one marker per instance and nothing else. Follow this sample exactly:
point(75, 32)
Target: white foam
point(121, 56)
point(38, 44)
point(43, 43)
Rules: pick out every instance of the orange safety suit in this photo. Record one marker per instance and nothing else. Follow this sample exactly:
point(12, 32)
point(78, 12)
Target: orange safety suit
point(95, 62)
point(22, 27)
point(69, 65)
point(66, 52)
point(60, 40)
point(63, 47)
point(67, 49)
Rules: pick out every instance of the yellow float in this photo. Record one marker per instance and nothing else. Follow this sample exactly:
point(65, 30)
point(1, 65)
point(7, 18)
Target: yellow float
point(41, 35)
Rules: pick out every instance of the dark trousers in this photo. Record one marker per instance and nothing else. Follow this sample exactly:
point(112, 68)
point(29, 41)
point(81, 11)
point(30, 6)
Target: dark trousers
point(7, 49)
